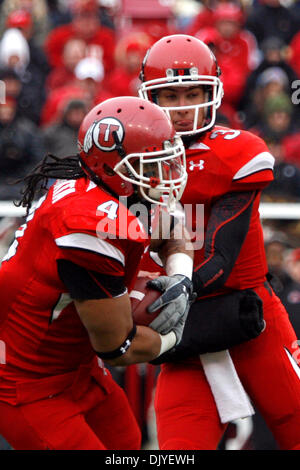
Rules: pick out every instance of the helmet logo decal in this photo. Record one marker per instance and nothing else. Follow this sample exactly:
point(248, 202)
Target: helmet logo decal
point(88, 140)
point(192, 72)
point(100, 133)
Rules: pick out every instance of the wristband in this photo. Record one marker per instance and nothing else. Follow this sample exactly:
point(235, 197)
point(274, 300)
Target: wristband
point(121, 349)
point(179, 263)
point(168, 341)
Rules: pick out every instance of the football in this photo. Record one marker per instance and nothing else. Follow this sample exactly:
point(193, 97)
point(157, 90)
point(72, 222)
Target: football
point(141, 297)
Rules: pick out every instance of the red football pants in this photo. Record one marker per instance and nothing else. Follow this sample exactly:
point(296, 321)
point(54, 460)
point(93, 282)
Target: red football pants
point(187, 417)
point(95, 421)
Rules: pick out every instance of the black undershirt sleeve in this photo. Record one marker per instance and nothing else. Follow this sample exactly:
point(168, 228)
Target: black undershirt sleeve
point(226, 231)
point(83, 284)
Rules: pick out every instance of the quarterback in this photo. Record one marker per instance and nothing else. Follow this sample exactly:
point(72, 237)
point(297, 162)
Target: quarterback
point(236, 307)
point(65, 281)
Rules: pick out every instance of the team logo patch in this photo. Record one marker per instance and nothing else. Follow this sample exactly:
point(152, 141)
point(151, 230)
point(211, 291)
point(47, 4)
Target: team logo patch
point(100, 133)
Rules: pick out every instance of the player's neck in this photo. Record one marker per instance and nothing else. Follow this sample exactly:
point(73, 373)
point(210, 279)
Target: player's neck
point(189, 140)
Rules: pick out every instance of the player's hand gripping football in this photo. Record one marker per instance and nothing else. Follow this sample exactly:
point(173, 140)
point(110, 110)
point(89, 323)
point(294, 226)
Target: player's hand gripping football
point(176, 299)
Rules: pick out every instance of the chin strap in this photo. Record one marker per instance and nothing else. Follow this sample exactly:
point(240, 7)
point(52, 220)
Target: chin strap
point(119, 146)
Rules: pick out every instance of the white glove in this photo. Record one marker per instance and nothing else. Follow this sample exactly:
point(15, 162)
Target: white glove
point(177, 297)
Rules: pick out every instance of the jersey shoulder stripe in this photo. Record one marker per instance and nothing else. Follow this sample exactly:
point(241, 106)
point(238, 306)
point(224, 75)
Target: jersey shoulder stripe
point(199, 145)
point(90, 243)
point(262, 161)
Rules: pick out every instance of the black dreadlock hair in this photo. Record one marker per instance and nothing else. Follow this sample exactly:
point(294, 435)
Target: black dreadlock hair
point(67, 168)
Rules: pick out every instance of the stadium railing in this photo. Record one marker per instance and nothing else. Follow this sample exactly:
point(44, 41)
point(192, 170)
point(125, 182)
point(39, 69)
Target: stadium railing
point(268, 210)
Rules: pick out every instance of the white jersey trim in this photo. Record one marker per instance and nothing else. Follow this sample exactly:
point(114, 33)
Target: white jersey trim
point(199, 145)
point(293, 362)
point(91, 185)
point(262, 161)
point(155, 257)
point(120, 295)
point(90, 243)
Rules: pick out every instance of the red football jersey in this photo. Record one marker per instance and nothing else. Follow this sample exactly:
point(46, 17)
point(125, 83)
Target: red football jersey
point(39, 325)
point(222, 161)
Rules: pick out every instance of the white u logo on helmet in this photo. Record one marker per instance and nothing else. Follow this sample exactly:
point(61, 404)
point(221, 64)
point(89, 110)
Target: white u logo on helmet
point(100, 133)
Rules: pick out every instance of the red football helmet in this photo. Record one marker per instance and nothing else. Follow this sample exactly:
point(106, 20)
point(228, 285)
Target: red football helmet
point(183, 61)
point(128, 141)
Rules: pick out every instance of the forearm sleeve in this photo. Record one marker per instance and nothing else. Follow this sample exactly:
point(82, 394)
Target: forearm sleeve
point(226, 231)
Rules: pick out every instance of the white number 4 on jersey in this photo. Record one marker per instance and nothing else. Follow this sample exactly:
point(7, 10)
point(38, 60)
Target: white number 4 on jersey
point(110, 208)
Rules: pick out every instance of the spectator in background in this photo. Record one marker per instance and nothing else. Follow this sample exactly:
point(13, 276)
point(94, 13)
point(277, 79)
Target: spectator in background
point(291, 293)
point(60, 139)
point(294, 265)
point(204, 19)
point(235, 49)
point(277, 246)
point(38, 10)
point(15, 54)
point(130, 51)
point(269, 17)
point(276, 122)
point(58, 13)
point(89, 73)
point(73, 51)
point(279, 124)
point(22, 20)
point(14, 51)
point(108, 12)
point(12, 83)
point(294, 50)
point(227, 115)
point(88, 85)
point(274, 59)
point(21, 148)
point(85, 25)
point(286, 184)
point(153, 17)
point(269, 83)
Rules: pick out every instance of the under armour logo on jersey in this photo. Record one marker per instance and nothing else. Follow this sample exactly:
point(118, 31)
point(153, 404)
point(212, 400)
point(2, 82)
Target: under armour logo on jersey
point(199, 165)
point(100, 133)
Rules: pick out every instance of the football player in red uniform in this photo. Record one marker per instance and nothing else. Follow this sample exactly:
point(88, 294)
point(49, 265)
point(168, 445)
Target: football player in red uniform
point(236, 308)
point(65, 280)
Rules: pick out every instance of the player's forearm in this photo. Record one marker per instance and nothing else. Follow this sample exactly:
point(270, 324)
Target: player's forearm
point(226, 231)
point(177, 253)
point(171, 236)
point(146, 346)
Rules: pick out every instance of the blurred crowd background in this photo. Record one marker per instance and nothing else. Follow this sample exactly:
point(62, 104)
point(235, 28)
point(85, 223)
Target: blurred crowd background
point(58, 58)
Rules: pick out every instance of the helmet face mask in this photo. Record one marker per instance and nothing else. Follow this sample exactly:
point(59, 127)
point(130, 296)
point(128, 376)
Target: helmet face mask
point(128, 145)
point(183, 61)
point(160, 175)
